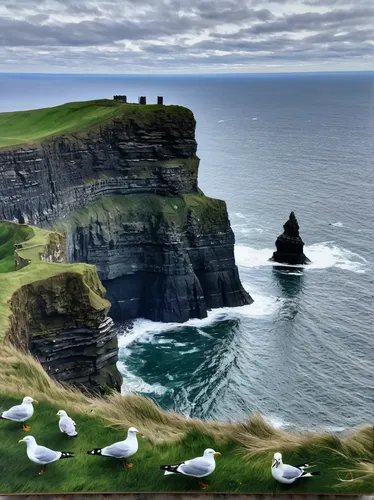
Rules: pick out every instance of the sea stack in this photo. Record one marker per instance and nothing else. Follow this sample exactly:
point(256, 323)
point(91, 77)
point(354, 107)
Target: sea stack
point(290, 245)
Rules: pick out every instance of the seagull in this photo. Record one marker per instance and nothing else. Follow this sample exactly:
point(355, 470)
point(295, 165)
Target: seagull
point(21, 413)
point(66, 424)
point(122, 449)
point(288, 474)
point(197, 467)
point(42, 455)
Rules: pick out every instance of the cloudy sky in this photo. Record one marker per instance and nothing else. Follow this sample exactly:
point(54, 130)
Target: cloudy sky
point(186, 36)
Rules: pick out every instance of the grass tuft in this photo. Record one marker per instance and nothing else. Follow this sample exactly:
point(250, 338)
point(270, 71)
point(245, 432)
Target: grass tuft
point(258, 437)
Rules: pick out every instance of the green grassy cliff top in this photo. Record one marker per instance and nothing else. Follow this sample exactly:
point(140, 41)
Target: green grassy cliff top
point(21, 127)
point(10, 235)
point(35, 248)
point(237, 470)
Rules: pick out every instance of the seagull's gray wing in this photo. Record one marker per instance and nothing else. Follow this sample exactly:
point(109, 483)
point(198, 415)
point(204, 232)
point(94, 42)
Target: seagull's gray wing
point(46, 455)
point(117, 450)
point(195, 467)
point(290, 472)
point(17, 413)
point(67, 425)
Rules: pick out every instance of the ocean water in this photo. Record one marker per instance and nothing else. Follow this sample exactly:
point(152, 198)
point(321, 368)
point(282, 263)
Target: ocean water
point(303, 354)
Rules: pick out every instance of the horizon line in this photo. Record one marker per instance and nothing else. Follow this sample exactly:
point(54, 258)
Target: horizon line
point(189, 74)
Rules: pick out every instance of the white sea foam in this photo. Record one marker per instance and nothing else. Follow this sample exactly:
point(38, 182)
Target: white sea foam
point(147, 330)
point(133, 383)
point(204, 334)
point(323, 255)
point(244, 229)
point(191, 351)
point(274, 421)
point(332, 428)
point(254, 118)
point(221, 121)
point(337, 224)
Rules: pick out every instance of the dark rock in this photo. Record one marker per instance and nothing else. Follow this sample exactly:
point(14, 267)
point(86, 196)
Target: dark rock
point(290, 245)
point(84, 357)
point(153, 262)
point(157, 265)
point(44, 182)
point(63, 321)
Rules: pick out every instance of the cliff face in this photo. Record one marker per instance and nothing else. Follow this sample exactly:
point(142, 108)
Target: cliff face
point(126, 194)
point(154, 153)
point(164, 258)
point(59, 313)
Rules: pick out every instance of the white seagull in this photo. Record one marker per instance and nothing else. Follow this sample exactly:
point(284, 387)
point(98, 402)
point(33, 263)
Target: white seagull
point(288, 474)
point(42, 455)
point(197, 467)
point(121, 449)
point(66, 424)
point(21, 413)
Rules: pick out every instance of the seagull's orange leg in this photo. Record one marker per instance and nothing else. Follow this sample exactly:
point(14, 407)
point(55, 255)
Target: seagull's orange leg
point(42, 471)
point(126, 465)
point(25, 428)
point(203, 486)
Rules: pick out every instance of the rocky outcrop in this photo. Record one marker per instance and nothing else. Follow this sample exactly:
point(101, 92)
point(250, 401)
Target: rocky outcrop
point(84, 356)
point(59, 313)
point(155, 153)
point(163, 258)
point(290, 245)
point(126, 194)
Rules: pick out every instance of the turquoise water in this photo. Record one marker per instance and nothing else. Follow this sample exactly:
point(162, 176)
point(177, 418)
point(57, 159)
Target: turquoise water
point(303, 353)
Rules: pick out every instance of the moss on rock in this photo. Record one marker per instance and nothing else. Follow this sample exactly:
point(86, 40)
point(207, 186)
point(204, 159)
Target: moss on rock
point(57, 310)
point(41, 272)
point(174, 210)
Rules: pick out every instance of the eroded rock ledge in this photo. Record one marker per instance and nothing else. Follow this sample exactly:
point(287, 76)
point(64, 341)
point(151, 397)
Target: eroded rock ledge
point(59, 313)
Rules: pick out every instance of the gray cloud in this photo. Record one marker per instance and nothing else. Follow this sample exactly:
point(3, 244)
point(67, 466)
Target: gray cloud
point(56, 35)
point(315, 20)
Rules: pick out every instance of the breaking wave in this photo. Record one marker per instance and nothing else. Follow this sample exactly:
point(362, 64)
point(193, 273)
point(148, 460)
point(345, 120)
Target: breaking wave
point(323, 255)
point(263, 305)
point(133, 383)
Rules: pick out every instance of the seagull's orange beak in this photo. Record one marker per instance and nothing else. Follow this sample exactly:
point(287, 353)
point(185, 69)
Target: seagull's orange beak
point(35, 401)
point(218, 453)
point(140, 434)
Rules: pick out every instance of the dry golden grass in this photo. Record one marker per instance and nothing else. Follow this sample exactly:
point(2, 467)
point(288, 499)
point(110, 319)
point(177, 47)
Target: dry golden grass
point(257, 437)
point(362, 473)
point(347, 461)
point(358, 447)
point(20, 373)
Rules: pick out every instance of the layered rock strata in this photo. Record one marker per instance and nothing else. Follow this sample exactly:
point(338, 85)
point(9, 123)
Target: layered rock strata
point(155, 153)
point(126, 193)
point(164, 258)
point(59, 313)
point(83, 356)
point(290, 245)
